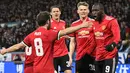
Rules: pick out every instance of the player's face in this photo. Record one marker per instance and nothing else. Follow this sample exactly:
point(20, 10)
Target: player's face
point(95, 10)
point(55, 13)
point(83, 11)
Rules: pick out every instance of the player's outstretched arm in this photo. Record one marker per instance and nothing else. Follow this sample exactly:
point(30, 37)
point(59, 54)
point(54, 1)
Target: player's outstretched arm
point(75, 28)
point(12, 48)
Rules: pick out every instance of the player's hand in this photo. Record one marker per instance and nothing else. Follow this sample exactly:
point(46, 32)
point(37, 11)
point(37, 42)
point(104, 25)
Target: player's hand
point(87, 24)
point(70, 61)
point(110, 47)
point(3, 51)
point(66, 36)
point(124, 42)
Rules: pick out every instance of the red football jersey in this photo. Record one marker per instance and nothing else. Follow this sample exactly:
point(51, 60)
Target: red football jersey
point(41, 41)
point(105, 33)
point(60, 48)
point(85, 42)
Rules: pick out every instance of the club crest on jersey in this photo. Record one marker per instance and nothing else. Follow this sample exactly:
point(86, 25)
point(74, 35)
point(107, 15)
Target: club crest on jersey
point(103, 27)
point(83, 32)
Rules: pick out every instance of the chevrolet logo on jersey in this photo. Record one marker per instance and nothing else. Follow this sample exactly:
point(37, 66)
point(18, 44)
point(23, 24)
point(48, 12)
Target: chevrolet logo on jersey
point(98, 34)
point(83, 32)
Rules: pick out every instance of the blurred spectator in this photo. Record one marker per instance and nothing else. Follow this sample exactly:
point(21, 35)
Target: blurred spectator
point(17, 58)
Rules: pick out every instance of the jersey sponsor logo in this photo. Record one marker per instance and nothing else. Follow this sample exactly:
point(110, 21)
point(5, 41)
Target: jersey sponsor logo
point(83, 32)
point(98, 34)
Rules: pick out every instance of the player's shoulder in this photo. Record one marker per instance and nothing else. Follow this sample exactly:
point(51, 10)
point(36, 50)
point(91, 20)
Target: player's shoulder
point(109, 17)
point(51, 20)
point(62, 21)
point(39, 31)
point(75, 22)
point(91, 19)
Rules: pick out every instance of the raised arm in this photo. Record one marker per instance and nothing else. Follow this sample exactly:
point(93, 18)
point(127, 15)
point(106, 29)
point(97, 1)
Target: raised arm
point(75, 28)
point(12, 48)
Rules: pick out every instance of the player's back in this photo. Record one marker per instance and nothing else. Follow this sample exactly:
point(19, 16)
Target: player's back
point(41, 42)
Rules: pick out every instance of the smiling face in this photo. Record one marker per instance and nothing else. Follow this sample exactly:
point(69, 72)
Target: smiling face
point(83, 11)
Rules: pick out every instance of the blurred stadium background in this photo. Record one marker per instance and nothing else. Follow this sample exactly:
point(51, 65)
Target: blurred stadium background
point(17, 19)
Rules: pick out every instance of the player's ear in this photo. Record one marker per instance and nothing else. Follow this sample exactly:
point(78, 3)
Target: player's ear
point(60, 12)
point(78, 11)
point(51, 13)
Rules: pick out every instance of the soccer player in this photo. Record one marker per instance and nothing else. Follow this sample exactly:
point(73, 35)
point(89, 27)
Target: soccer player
point(41, 41)
point(60, 54)
point(84, 41)
point(107, 35)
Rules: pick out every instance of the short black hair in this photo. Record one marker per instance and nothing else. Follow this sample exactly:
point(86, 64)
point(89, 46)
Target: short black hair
point(42, 18)
point(100, 5)
point(55, 6)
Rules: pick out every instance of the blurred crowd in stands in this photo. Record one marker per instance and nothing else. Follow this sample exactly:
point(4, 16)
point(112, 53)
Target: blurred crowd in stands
point(25, 11)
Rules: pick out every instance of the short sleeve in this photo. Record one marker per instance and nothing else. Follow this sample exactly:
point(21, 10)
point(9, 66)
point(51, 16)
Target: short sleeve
point(72, 34)
point(27, 41)
point(53, 35)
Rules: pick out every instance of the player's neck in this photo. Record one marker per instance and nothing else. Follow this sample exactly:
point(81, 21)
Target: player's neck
point(56, 19)
point(44, 26)
point(83, 18)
